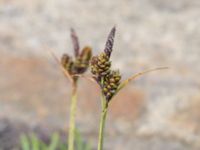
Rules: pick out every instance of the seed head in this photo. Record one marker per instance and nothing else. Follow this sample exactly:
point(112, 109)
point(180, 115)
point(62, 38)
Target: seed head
point(110, 85)
point(108, 80)
point(80, 63)
point(86, 54)
point(100, 65)
point(67, 62)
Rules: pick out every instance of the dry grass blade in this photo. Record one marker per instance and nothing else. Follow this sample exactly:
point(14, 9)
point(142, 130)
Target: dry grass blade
point(66, 73)
point(124, 83)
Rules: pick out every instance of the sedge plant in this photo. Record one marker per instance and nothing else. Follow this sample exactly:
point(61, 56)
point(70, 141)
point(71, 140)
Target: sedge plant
point(33, 142)
point(73, 68)
point(109, 80)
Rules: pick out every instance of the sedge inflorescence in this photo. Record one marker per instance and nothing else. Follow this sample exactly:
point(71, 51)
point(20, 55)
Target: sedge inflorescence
point(80, 63)
point(108, 79)
point(100, 65)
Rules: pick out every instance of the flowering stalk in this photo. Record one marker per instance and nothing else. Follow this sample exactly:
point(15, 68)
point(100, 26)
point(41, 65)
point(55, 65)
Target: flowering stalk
point(73, 108)
point(102, 122)
point(72, 69)
point(109, 80)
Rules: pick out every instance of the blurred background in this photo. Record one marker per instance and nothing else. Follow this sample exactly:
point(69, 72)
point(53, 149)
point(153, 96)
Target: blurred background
point(158, 111)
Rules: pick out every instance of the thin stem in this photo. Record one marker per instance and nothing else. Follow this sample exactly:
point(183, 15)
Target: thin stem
point(102, 122)
point(73, 107)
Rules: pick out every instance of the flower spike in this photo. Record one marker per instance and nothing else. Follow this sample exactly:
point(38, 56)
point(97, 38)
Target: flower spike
point(75, 42)
point(100, 65)
point(110, 42)
point(111, 84)
point(79, 64)
point(75, 68)
point(109, 80)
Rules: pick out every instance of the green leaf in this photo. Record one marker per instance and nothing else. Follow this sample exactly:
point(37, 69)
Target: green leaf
point(62, 147)
point(78, 140)
point(54, 141)
point(88, 146)
point(35, 142)
point(25, 145)
point(43, 145)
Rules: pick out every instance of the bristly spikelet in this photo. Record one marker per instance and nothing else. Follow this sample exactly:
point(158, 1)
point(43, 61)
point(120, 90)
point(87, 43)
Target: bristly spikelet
point(81, 61)
point(101, 69)
point(110, 42)
point(110, 85)
point(100, 65)
point(86, 54)
point(67, 62)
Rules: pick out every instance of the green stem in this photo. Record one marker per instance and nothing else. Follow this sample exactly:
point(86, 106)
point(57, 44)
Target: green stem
point(73, 107)
point(102, 123)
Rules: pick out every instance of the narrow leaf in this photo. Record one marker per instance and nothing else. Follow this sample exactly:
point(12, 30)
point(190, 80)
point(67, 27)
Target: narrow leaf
point(78, 140)
point(43, 145)
point(54, 142)
point(127, 81)
point(35, 142)
point(62, 147)
point(88, 146)
point(25, 145)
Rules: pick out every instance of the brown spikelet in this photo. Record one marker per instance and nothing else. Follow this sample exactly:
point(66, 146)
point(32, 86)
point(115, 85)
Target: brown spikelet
point(86, 54)
point(78, 67)
point(110, 42)
point(110, 85)
point(100, 65)
point(108, 79)
point(67, 62)
point(80, 63)
point(75, 42)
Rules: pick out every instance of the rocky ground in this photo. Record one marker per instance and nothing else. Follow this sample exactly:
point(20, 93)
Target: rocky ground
point(158, 111)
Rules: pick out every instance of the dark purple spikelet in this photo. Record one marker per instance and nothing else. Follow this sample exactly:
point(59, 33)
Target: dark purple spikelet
point(80, 63)
point(67, 62)
point(110, 42)
point(75, 42)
